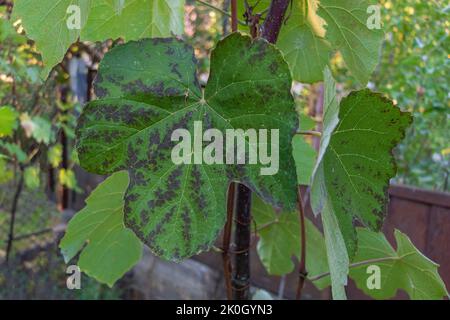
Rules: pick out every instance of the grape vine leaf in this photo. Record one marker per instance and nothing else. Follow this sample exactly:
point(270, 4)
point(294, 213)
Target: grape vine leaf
point(108, 249)
point(8, 120)
point(337, 255)
point(403, 269)
point(305, 156)
point(147, 89)
point(279, 241)
point(47, 22)
point(302, 43)
point(133, 20)
point(347, 30)
point(356, 161)
point(316, 29)
point(31, 177)
point(336, 250)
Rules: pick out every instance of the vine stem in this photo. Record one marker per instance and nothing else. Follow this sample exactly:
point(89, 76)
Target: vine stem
point(227, 239)
point(355, 265)
point(310, 133)
point(13, 215)
point(243, 198)
point(206, 4)
point(302, 273)
point(234, 19)
point(274, 20)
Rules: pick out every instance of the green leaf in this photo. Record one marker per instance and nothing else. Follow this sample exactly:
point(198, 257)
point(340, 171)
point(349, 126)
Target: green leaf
point(403, 269)
point(8, 120)
point(347, 31)
point(316, 29)
point(54, 155)
point(305, 156)
point(132, 20)
point(32, 178)
point(337, 255)
point(356, 165)
point(178, 210)
point(279, 241)
point(47, 22)
point(306, 51)
point(108, 249)
point(42, 130)
point(6, 173)
point(67, 179)
point(335, 245)
point(14, 151)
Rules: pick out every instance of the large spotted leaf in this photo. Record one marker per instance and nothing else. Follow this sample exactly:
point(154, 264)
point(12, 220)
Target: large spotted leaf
point(356, 160)
point(147, 90)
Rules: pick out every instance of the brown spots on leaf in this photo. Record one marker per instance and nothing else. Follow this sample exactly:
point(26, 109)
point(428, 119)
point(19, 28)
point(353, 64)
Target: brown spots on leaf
point(174, 68)
point(157, 41)
point(186, 227)
point(170, 51)
point(273, 67)
point(159, 228)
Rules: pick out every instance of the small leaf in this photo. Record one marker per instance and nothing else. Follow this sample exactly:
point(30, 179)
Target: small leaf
point(54, 155)
point(337, 255)
point(403, 269)
point(32, 177)
point(42, 130)
point(67, 179)
point(108, 249)
point(45, 22)
point(279, 241)
point(14, 150)
point(178, 210)
point(305, 157)
point(8, 120)
point(6, 173)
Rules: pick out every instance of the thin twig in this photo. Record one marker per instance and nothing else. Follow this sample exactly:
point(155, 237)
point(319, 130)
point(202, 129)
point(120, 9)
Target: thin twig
point(228, 14)
point(234, 19)
point(355, 265)
point(302, 265)
point(33, 234)
point(13, 215)
point(309, 133)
